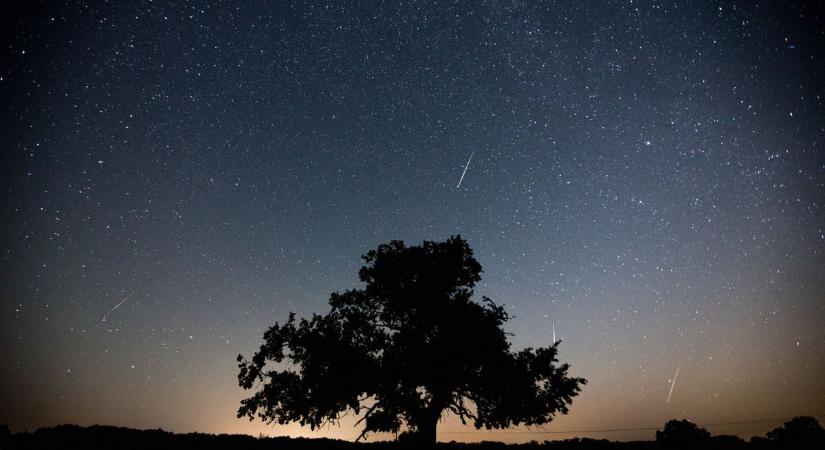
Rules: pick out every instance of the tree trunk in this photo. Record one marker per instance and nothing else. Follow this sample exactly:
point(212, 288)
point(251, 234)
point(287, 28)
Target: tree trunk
point(425, 436)
point(427, 421)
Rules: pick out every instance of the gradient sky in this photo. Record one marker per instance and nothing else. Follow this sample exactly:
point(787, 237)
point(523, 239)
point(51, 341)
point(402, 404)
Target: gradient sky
point(650, 176)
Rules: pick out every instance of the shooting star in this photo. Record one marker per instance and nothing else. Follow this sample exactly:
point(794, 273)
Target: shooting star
point(673, 384)
point(116, 306)
point(554, 332)
point(465, 170)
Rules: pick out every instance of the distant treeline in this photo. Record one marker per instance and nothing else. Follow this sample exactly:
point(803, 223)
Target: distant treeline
point(799, 433)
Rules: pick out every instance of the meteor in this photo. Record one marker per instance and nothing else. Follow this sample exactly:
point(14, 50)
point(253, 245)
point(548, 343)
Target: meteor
point(116, 306)
point(673, 384)
point(465, 170)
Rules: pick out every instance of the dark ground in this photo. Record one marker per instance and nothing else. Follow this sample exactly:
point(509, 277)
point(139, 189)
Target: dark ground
point(108, 437)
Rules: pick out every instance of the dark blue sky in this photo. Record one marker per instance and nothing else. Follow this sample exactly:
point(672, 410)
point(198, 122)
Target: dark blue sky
point(647, 175)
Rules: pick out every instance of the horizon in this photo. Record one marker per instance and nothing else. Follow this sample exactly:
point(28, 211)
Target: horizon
point(481, 436)
point(643, 180)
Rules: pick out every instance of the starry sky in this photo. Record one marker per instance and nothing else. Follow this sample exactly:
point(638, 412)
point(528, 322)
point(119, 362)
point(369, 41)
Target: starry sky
point(646, 176)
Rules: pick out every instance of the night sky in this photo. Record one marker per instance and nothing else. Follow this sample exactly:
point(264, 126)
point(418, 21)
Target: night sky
point(647, 176)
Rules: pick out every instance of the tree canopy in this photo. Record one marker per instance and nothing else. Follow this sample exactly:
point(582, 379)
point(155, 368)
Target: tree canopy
point(803, 432)
point(683, 434)
point(408, 346)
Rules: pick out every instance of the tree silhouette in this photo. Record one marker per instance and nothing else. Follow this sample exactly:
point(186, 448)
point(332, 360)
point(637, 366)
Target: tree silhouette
point(798, 433)
point(402, 350)
point(685, 434)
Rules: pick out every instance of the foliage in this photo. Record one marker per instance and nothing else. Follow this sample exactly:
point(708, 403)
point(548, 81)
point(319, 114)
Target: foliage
point(683, 434)
point(798, 433)
point(402, 350)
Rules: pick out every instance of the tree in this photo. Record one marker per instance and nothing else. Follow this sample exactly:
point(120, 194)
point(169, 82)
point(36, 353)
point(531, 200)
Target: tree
point(798, 433)
point(682, 434)
point(727, 442)
point(408, 346)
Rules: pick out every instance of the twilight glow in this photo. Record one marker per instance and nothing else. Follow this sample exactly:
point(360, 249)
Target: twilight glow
point(642, 180)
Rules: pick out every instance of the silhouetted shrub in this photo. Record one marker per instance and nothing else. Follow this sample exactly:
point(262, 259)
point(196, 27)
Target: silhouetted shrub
point(727, 442)
point(798, 433)
point(683, 434)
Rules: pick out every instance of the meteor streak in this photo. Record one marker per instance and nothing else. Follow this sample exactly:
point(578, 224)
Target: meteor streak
point(116, 306)
point(673, 384)
point(465, 170)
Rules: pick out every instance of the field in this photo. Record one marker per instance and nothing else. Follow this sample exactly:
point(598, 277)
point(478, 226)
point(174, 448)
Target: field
point(107, 437)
